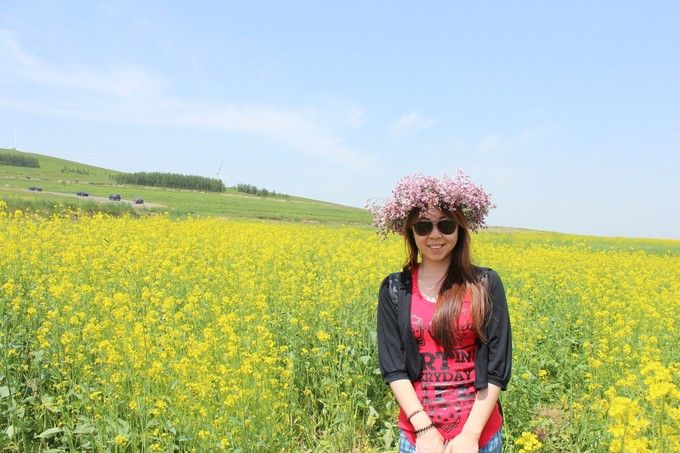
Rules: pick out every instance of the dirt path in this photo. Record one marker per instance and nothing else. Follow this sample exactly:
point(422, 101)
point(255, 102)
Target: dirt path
point(93, 198)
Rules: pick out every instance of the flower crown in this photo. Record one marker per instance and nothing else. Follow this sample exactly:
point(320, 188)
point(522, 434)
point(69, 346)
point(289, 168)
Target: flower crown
point(418, 191)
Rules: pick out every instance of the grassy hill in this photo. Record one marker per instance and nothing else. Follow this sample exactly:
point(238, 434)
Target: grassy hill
point(61, 179)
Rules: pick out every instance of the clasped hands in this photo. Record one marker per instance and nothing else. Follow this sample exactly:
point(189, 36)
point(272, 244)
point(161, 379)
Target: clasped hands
point(433, 442)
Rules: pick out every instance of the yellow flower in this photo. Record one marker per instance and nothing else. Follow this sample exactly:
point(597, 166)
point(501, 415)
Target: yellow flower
point(528, 442)
point(202, 323)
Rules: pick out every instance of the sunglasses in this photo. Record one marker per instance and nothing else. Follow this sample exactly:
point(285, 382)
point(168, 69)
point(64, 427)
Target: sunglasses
point(424, 227)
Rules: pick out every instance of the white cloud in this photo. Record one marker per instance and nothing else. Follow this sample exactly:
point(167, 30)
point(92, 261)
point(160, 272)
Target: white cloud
point(411, 123)
point(356, 116)
point(123, 79)
point(267, 67)
point(297, 129)
point(131, 94)
point(110, 8)
point(497, 143)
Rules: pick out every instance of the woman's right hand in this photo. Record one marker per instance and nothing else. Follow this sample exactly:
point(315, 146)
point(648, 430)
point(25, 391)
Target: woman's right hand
point(430, 442)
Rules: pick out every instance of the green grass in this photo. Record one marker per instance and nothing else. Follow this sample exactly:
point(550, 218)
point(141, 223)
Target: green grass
point(51, 204)
point(50, 170)
point(177, 202)
point(529, 239)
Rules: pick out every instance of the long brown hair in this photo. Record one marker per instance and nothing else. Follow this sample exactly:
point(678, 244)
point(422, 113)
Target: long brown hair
point(460, 277)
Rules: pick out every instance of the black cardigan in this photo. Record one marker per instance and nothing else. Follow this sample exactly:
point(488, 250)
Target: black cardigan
point(397, 348)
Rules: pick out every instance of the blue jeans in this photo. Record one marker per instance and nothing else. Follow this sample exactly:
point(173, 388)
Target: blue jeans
point(494, 445)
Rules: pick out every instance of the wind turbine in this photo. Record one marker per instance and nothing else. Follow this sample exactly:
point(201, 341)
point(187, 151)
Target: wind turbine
point(220, 170)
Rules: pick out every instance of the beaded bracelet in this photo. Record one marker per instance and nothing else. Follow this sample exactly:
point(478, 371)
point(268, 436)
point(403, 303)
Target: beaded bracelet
point(422, 430)
point(414, 413)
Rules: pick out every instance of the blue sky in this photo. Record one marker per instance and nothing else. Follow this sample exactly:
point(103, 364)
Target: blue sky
point(567, 112)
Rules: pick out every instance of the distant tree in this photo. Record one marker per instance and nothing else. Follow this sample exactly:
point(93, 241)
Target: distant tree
point(18, 160)
point(78, 171)
point(171, 180)
point(254, 190)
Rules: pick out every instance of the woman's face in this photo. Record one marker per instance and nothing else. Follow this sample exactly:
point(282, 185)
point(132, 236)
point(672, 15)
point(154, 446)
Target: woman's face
point(435, 246)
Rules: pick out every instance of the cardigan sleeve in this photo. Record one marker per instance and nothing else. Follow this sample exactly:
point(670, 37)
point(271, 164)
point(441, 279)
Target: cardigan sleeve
point(499, 334)
point(391, 356)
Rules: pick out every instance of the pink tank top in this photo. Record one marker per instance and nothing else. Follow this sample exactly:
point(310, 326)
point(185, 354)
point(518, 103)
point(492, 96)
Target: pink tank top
point(446, 386)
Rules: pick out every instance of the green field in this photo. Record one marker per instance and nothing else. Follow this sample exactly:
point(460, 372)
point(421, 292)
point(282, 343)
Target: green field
point(15, 181)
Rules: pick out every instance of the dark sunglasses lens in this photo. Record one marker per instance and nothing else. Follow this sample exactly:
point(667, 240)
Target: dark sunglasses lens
point(446, 226)
point(422, 228)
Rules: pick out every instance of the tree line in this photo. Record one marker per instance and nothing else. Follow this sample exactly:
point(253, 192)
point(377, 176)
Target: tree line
point(171, 180)
point(78, 171)
point(18, 160)
point(191, 182)
point(254, 190)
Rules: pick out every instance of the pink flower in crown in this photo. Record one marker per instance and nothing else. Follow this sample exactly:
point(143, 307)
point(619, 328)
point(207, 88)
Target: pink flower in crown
point(418, 191)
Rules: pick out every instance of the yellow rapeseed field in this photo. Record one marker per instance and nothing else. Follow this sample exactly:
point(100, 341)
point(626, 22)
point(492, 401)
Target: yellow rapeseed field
point(154, 334)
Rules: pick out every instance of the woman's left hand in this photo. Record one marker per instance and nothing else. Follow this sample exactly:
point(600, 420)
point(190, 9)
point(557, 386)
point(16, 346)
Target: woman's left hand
point(462, 443)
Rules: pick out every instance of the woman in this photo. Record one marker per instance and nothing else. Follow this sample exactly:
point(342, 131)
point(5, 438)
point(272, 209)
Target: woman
point(443, 326)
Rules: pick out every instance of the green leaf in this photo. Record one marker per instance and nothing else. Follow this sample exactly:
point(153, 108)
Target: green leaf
point(364, 359)
point(388, 438)
point(119, 425)
point(48, 433)
point(84, 428)
point(372, 417)
point(124, 426)
point(10, 431)
point(4, 391)
point(38, 355)
point(50, 405)
point(152, 423)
